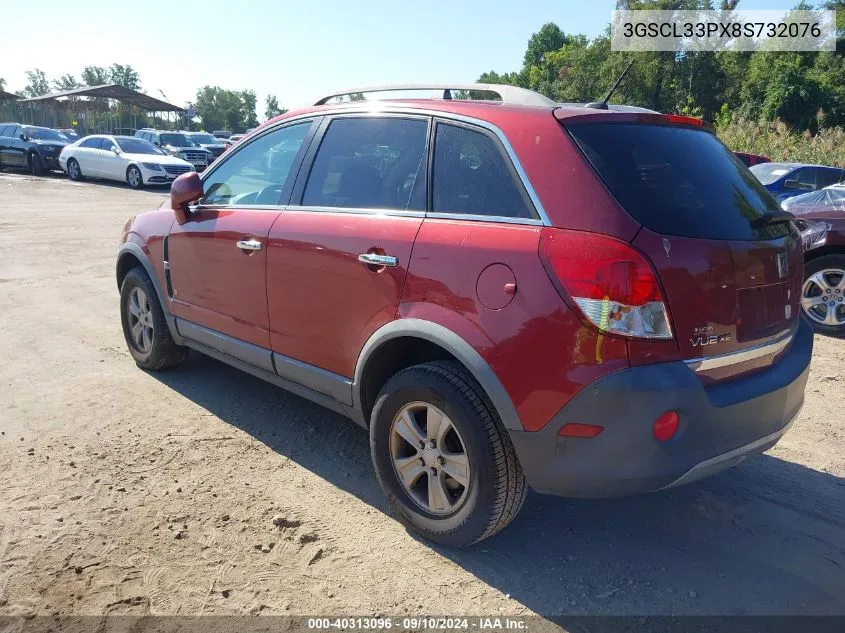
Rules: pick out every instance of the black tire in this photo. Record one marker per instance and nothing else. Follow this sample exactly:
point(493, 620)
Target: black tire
point(134, 178)
point(827, 262)
point(163, 351)
point(74, 173)
point(497, 485)
point(36, 165)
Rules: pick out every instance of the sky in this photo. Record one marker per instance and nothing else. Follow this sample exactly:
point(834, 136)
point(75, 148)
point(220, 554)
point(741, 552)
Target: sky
point(295, 50)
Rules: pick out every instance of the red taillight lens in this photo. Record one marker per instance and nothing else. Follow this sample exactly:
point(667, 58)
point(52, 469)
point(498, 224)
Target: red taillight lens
point(666, 426)
point(611, 282)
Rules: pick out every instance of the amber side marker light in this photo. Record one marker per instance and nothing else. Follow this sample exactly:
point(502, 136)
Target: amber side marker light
point(576, 429)
point(666, 426)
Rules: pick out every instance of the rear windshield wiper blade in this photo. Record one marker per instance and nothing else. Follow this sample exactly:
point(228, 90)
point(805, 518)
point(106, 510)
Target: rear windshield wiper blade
point(772, 217)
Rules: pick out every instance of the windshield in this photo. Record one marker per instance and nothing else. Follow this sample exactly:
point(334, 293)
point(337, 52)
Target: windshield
point(137, 146)
point(205, 138)
point(676, 180)
point(45, 134)
point(767, 173)
point(176, 140)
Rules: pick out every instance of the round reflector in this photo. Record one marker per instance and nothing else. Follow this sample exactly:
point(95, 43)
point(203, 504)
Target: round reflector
point(666, 426)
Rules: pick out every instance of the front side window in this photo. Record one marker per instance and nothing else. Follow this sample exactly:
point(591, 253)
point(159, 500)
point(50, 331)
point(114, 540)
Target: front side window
point(45, 134)
point(370, 163)
point(107, 145)
point(175, 140)
point(471, 176)
point(257, 172)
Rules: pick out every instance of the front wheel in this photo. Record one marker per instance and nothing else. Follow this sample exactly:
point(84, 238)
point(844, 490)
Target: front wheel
point(73, 170)
point(134, 178)
point(144, 326)
point(442, 457)
point(823, 294)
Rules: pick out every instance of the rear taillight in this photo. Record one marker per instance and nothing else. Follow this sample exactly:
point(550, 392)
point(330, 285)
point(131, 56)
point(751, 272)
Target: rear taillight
point(611, 282)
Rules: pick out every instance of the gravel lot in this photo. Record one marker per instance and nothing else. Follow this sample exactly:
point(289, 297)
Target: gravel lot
point(125, 492)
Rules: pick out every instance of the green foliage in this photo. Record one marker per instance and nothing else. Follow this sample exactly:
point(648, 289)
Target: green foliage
point(272, 108)
point(226, 109)
point(125, 76)
point(37, 83)
point(65, 82)
point(2, 83)
point(95, 76)
point(780, 142)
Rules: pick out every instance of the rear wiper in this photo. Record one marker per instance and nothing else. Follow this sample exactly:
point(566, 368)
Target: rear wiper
point(772, 217)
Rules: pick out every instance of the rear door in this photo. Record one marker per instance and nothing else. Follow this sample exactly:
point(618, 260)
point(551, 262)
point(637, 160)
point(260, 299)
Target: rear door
point(218, 256)
point(15, 152)
point(338, 256)
point(729, 263)
point(87, 155)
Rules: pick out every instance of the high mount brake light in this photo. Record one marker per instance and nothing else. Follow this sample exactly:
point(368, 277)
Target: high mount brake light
point(612, 283)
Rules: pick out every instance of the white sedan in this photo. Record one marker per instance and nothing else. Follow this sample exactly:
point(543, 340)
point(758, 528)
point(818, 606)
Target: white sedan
point(124, 158)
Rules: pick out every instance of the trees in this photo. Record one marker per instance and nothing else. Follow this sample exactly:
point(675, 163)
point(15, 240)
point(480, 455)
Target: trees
point(95, 76)
point(66, 82)
point(125, 76)
point(271, 108)
point(219, 108)
point(2, 83)
point(37, 83)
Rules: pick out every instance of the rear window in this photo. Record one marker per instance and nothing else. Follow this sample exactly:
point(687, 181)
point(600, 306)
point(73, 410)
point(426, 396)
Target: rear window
point(677, 180)
point(767, 173)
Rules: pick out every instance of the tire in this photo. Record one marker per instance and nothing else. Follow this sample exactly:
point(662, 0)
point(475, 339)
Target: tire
point(154, 348)
point(496, 485)
point(825, 276)
point(134, 178)
point(36, 165)
point(73, 170)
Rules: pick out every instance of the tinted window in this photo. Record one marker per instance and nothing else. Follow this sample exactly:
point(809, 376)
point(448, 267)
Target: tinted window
point(15, 131)
point(208, 139)
point(176, 140)
point(677, 180)
point(45, 134)
point(767, 173)
point(4, 129)
point(371, 163)
point(804, 179)
point(257, 172)
point(827, 177)
point(471, 176)
point(138, 146)
point(91, 143)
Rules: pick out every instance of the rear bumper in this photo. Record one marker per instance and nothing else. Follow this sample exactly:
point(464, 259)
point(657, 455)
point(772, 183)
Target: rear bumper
point(720, 425)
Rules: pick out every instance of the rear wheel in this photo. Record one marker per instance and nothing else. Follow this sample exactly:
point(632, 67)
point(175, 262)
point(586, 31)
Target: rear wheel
point(134, 178)
point(36, 165)
point(823, 294)
point(442, 457)
point(73, 170)
point(144, 326)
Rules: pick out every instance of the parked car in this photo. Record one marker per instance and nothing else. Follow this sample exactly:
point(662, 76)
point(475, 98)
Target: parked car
point(221, 133)
point(752, 159)
point(124, 158)
point(208, 142)
point(235, 138)
point(29, 147)
point(71, 134)
point(820, 216)
point(785, 180)
point(179, 145)
point(614, 310)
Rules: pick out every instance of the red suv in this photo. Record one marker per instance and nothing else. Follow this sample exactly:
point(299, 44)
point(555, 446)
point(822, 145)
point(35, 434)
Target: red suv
point(590, 301)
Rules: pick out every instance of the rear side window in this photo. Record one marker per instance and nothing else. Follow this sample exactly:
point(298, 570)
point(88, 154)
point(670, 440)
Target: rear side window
point(370, 163)
point(677, 180)
point(471, 176)
point(3, 129)
point(92, 143)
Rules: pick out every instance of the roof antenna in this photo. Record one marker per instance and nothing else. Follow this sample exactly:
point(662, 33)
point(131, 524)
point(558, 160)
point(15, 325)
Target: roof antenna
point(602, 105)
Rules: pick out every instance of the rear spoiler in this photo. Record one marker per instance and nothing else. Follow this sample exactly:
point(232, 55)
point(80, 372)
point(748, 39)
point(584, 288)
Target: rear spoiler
point(566, 116)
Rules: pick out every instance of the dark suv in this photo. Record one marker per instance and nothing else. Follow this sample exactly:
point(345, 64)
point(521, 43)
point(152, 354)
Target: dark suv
point(208, 142)
point(179, 145)
point(592, 302)
point(35, 149)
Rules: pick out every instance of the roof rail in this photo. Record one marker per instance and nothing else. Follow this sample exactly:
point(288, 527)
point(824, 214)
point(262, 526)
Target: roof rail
point(508, 94)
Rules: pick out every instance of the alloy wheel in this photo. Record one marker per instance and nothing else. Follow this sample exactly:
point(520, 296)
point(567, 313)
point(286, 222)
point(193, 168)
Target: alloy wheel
point(134, 177)
point(429, 458)
point(140, 320)
point(73, 169)
point(823, 297)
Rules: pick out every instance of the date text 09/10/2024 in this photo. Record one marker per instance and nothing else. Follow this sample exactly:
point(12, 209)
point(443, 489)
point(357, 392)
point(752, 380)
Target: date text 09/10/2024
point(415, 623)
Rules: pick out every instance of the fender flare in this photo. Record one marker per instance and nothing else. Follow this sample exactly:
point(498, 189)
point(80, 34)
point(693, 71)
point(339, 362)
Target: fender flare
point(131, 248)
point(453, 344)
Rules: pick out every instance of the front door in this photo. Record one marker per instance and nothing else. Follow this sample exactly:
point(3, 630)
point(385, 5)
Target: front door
point(217, 257)
point(338, 256)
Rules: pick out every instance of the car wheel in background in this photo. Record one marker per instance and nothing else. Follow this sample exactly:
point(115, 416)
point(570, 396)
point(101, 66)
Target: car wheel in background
point(134, 178)
point(73, 170)
point(144, 326)
point(823, 294)
point(36, 166)
point(442, 457)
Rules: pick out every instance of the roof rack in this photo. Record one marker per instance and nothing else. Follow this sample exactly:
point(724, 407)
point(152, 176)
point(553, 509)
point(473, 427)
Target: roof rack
point(508, 94)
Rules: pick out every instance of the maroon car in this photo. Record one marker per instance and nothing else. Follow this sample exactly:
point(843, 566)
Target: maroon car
point(592, 302)
point(752, 159)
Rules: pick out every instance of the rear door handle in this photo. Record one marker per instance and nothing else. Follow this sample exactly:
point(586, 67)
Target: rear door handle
point(249, 245)
point(374, 259)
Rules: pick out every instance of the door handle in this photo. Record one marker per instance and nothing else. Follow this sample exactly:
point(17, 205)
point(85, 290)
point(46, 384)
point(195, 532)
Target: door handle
point(374, 259)
point(249, 245)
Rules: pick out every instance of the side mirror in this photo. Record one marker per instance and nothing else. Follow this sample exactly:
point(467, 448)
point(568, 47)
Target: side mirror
point(24, 137)
point(186, 189)
point(115, 150)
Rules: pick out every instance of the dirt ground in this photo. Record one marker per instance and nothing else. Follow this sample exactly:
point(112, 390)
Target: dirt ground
point(125, 492)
